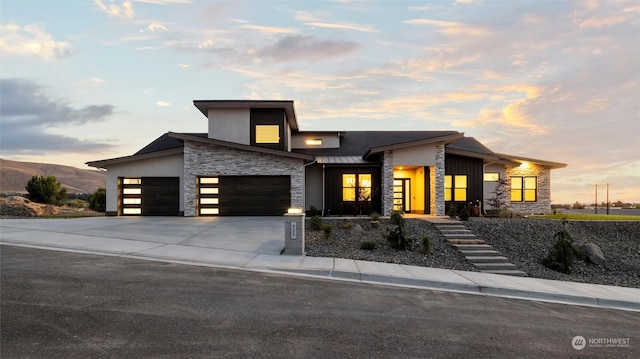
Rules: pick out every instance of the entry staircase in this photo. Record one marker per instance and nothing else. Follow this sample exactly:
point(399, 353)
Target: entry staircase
point(483, 256)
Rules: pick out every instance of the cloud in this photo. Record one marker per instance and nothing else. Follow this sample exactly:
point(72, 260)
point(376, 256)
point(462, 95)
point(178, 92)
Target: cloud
point(450, 27)
point(297, 47)
point(154, 26)
point(313, 20)
point(27, 114)
point(32, 40)
point(184, 66)
point(163, 103)
point(123, 11)
point(164, 2)
point(269, 29)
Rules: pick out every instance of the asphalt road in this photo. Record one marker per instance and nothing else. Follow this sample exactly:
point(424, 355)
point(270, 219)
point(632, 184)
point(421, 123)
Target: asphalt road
point(66, 305)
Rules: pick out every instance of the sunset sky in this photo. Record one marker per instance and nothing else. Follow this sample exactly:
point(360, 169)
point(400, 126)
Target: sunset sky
point(554, 80)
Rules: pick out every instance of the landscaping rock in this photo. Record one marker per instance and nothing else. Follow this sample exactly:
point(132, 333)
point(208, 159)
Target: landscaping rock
point(591, 251)
point(356, 230)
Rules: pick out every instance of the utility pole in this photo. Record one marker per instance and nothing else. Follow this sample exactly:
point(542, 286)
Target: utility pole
point(596, 198)
point(607, 198)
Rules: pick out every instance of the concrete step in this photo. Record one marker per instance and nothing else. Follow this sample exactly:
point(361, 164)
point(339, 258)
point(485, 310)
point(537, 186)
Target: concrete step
point(486, 259)
point(464, 241)
point(459, 235)
point(486, 252)
point(494, 266)
point(473, 247)
point(515, 272)
point(456, 231)
point(450, 227)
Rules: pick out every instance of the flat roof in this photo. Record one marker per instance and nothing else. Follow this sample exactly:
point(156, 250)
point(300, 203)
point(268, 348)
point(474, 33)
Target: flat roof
point(287, 105)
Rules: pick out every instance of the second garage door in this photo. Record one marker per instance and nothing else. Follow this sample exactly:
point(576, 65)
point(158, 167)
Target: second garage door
point(248, 195)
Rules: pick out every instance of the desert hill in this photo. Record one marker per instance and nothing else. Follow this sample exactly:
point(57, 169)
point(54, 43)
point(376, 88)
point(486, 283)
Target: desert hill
point(14, 176)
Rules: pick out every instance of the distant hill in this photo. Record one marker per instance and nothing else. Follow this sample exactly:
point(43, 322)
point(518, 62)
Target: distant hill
point(14, 176)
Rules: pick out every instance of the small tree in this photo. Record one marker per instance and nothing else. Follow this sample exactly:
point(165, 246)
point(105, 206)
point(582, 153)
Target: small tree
point(98, 200)
point(560, 256)
point(498, 201)
point(397, 236)
point(46, 190)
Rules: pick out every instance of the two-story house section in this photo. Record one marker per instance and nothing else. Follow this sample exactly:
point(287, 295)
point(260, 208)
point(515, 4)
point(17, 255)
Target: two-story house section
point(254, 160)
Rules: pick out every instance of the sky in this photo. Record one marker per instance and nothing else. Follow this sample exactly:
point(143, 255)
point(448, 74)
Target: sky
point(553, 80)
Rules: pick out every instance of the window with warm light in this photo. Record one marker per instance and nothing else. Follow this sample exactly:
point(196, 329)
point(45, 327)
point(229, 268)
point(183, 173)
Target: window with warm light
point(492, 177)
point(356, 187)
point(267, 134)
point(524, 189)
point(455, 188)
point(314, 142)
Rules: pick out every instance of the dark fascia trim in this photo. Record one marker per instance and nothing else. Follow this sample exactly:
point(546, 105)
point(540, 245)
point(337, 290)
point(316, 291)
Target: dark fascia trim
point(445, 139)
point(124, 159)
point(239, 146)
point(205, 105)
point(519, 159)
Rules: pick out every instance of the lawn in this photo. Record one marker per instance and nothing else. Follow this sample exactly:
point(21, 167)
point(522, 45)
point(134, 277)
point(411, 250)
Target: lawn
point(589, 217)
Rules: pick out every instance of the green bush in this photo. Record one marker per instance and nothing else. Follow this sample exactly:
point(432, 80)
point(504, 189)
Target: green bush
point(313, 211)
point(368, 245)
point(75, 203)
point(46, 190)
point(98, 200)
point(464, 214)
point(426, 245)
point(453, 213)
point(327, 229)
point(505, 213)
point(347, 224)
point(397, 236)
point(316, 223)
point(375, 216)
point(561, 254)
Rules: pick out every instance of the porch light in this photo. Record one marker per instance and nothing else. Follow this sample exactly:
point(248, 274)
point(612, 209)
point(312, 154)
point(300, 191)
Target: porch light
point(524, 165)
point(294, 210)
point(314, 142)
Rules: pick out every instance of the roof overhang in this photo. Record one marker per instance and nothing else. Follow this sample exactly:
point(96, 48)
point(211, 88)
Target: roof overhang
point(440, 139)
point(125, 159)
point(484, 156)
point(344, 160)
point(205, 105)
point(519, 160)
point(239, 146)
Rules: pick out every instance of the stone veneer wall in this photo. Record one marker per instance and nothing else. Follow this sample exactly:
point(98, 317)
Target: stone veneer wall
point(543, 203)
point(437, 195)
point(387, 182)
point(212, 160)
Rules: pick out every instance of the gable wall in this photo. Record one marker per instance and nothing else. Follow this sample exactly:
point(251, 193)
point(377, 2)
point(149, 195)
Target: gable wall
point(230, 124)
point(211, 160)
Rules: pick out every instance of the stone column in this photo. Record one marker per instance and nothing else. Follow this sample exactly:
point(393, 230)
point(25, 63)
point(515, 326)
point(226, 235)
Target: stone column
point(387, 182)
point(294, 234)
point(439, 180)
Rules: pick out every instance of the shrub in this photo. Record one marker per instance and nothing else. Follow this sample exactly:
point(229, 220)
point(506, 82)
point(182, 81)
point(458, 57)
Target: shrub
point(327, 229)
point(313, 211)
point(464, 214)
point(347, 224)
point(426, 245)
point(368, 245)
point(46, 190)
point(316, 223)
point(375, 224)
point(375, 216)
point(505, 213)
point(560, 256)
point(397, 236)
point(98, 200)
point(75, 203)
point(452, 211)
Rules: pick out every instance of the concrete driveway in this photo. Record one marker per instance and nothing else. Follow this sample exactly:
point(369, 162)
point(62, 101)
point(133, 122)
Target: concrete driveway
point(264, 235)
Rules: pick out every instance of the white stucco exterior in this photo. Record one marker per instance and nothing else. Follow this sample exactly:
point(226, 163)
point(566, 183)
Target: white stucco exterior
point(423, 155)
point(230, 124)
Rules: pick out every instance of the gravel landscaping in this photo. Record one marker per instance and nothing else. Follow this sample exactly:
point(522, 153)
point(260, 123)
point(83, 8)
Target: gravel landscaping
point(525, 241)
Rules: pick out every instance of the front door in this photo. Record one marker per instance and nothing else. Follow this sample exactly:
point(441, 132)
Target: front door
point(402, 194)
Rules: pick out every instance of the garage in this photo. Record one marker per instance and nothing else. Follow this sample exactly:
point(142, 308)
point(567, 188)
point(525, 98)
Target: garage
point(150, 196)
point(244, 195)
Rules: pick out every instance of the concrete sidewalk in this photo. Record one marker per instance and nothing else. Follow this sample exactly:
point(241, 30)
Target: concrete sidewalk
point(254, 243)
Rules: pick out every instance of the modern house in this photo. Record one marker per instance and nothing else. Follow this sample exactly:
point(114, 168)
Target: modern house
point(254, 160)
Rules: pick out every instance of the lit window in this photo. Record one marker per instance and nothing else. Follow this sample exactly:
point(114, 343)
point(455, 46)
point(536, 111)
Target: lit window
point(131, 201)
point(314, 142)
point(455, 188)
point(209, 211)
point(208, 201)
point(206, 190)
point(267, 134)
point(131, 211)
point(356, 190)
point(131, 181)
point(132, 191)
point(524, 189)
point(492, 177)
point(209, 180)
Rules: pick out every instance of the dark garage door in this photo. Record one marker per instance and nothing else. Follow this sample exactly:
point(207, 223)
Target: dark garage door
point(160, 196)
point(254, 195)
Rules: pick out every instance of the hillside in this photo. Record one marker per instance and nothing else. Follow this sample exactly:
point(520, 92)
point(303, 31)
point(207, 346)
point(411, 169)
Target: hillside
point(14, 176)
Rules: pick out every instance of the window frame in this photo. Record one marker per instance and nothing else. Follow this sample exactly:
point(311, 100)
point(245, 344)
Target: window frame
point(522, 189)
point(453, 187)
point(351, 188)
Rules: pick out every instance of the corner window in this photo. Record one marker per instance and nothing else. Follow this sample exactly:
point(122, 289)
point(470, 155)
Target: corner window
point(267, 134)
point(455, 188)
point(356, 187)
point(492, 177)
point(524, 189)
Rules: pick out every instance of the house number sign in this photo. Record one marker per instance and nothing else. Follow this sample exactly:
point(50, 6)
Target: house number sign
point(293, 230)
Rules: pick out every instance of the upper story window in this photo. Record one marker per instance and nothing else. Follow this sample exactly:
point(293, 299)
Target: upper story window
point(524, 189)
point(314, 142)
point(491, 177)
point(267, 134)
